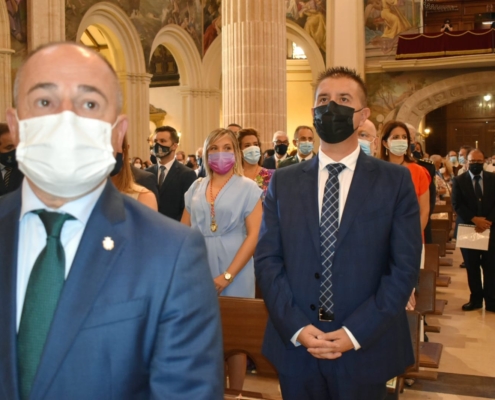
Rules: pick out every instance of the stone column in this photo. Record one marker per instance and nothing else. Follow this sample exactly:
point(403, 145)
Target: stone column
point(137, 107)
point(345, 34)
point(46, 22)
point(5, 82)
point(254, 53)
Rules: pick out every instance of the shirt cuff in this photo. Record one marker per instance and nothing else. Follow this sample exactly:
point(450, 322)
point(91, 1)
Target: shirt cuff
point(294, 338)
point(356, 344)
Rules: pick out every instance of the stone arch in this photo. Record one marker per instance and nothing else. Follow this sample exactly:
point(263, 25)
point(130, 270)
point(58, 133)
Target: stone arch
point(298, 35)
point(193, 119)
point(128, 59)
point(185, 52)
point(442, 93)
point(212, 64)
point(5, 62)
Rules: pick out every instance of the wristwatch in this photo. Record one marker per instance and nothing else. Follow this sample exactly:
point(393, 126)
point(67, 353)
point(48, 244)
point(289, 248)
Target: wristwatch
point(228, 277)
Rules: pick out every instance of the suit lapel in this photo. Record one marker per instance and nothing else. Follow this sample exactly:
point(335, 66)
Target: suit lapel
point(309, 197)
point(9, 232)
point(171, 176)
point(362, 182)
point(88, 273)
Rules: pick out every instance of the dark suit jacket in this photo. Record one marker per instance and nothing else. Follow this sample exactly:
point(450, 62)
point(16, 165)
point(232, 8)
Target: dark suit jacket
point(291, 161)
point(146, 179)
point(375, 268)
point(171, 193)
point(269, 163)
point(127, 321)
point(465, 202)
point(14, 182)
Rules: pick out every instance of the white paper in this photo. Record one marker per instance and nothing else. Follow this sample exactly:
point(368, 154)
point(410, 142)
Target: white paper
point(468, 238)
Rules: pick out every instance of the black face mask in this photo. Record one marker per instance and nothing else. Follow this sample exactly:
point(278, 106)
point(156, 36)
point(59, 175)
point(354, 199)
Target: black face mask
point(8, 159)
point(281, 149)
point(333, 122)
point(161, 151)
point(417, 154)
point(476, 169)
point(119, 162)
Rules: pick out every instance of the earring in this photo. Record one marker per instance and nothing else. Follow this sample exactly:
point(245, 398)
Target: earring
point(386, 152)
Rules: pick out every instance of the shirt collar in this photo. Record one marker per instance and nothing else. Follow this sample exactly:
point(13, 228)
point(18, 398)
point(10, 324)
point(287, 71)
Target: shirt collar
point(472, 175)
point(167, 165)
point(80, 208)
point(349, 161)
point(307, 158)
point(2, 166)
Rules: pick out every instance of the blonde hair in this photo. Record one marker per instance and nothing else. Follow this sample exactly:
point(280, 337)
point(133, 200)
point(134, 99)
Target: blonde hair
point(212, 138)
point(124, 180)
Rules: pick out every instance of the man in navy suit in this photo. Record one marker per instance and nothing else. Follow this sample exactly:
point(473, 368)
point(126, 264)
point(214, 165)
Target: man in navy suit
point(473, 199)
point(336, 293)
point(10, 174)
point(117, 316)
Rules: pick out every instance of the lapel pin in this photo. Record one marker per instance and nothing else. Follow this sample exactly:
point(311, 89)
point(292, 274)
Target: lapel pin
point(108, 243)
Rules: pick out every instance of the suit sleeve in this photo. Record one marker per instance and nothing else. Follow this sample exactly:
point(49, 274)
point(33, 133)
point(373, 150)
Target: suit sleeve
point(187, 360)
point(271, 276)
point(368, 322)
point(459, 202)
point(151, 184)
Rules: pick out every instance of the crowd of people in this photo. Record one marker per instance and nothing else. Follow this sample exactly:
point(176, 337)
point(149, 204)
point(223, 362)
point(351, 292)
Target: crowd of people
point(332, 236)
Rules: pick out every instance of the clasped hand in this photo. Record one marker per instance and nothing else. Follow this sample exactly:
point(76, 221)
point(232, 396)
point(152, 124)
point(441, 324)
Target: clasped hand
point(220, 283)
point(323, 345)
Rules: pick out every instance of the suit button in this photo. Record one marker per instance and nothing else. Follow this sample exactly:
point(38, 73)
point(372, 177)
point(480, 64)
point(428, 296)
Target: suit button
point(317, 275)
point(313, 307)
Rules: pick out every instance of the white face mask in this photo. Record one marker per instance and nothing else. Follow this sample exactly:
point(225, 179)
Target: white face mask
point(398, 147)
point(64, 154)
point(442, 170)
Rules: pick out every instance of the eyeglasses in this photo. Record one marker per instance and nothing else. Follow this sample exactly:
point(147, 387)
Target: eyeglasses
point(279, 142)
point(366, 136)
point(476, 162)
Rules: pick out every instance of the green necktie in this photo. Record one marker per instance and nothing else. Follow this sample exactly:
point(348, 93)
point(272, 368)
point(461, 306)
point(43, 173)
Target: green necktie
point(45, 285)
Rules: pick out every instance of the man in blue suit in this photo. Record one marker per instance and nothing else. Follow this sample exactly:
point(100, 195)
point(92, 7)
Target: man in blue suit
point(337, 259)
point(90, 306)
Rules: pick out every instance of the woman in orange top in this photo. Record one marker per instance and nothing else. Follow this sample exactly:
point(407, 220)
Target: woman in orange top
point(395, 148)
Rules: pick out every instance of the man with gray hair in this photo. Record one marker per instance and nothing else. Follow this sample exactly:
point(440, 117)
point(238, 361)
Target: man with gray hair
point(280, 145)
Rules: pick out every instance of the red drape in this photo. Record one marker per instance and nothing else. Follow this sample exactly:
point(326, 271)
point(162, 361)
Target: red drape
point(457, 43)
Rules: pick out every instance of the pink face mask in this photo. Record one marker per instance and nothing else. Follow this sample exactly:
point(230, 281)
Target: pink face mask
point(221, 162)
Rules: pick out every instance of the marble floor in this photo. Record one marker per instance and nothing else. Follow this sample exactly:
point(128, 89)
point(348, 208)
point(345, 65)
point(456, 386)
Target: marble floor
point(469, 350)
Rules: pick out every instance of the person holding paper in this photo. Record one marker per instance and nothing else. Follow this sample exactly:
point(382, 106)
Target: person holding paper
point(473, 199)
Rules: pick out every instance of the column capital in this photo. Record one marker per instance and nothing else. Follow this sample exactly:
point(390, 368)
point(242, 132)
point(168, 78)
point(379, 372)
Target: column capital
point(199, 92)
point(6, 51)
point(135, 77)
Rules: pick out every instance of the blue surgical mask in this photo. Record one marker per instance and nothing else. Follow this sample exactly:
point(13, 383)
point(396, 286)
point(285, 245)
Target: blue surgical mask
point(252, 154)
point(462, 160)
point(453, 159)
point(365, 146)
point(398, 147)
point(305, 147)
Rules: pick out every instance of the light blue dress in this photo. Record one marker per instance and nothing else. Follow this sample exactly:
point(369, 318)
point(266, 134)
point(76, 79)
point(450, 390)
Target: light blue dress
point(233, 204)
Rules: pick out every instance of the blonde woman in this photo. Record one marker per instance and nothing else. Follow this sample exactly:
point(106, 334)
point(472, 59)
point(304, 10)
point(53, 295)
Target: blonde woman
point(226, 208)
point(124, 182)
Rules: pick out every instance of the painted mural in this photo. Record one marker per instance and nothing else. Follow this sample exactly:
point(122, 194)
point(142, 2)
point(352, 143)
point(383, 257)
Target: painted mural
point(311, 16)
point(385, 20)
point(388, 91)
point(148, 16)
point(212, 22)
point(17, 11)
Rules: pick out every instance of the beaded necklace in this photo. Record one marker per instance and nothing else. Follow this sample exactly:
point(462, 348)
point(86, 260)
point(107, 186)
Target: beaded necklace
point(213, 224)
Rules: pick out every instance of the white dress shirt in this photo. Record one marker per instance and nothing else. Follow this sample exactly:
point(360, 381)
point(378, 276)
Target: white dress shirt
point(4, 171)
point(167, 169)
point(474, 182)
point(32, 234)
point(345, 179)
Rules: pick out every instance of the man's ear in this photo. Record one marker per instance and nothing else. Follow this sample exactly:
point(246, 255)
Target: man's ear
point(365, 114)
point(294, 142)
point(119, 132)
point(11, 115)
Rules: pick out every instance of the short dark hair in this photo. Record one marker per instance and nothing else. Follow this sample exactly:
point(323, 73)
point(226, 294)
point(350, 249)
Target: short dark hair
point(4, 128)
point(344, 72)
point(269, 152)
point(193, 156)
point(174, 136)
point(237, 125)
point(296, 132)
point(387, 130)
point(467, 148)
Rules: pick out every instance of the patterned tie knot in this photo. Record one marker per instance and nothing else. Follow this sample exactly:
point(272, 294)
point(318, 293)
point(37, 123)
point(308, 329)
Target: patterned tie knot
point(477, 178)
point(53, 222)
point(162, 168)
point(335, 169)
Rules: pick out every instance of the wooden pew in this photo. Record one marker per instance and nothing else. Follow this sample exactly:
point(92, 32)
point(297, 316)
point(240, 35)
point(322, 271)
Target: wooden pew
point(440, 237)
point(431, 263)
point(243, 323)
